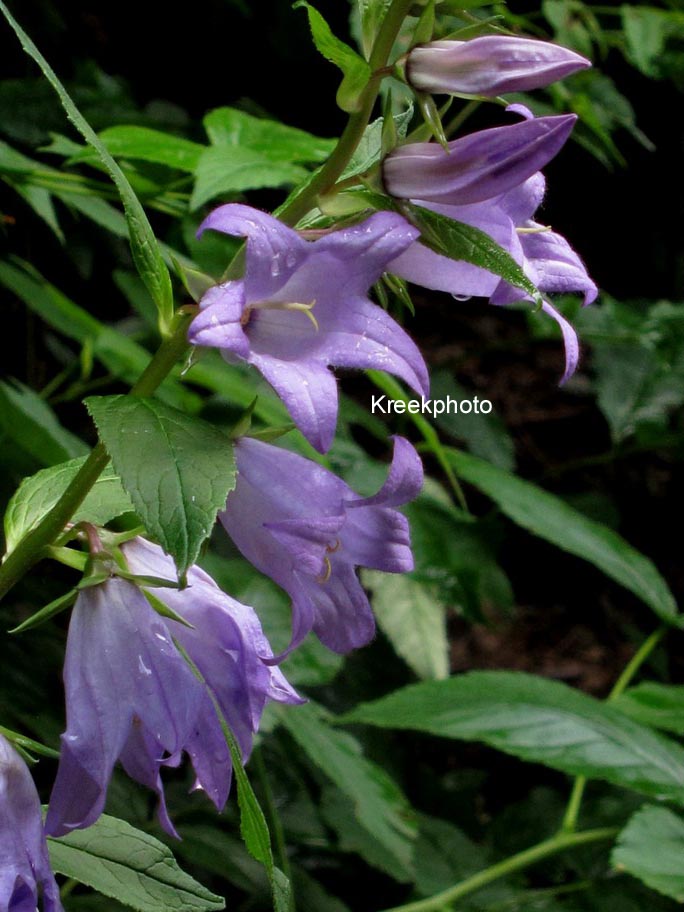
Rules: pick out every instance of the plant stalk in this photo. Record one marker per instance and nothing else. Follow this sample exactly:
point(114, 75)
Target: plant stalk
point(440, 902)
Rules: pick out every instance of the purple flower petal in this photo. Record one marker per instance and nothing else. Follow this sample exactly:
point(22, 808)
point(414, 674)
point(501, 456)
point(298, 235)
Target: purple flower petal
point(476, 167)
point(569, 339)
point(219, 321)
point(114, 628)
point(25, 874)
point(306, 529)
point(490, 65)
point(303, 308)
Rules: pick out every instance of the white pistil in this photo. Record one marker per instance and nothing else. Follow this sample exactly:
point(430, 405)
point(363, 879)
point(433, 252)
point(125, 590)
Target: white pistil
point(542, 229)
point(280, 305)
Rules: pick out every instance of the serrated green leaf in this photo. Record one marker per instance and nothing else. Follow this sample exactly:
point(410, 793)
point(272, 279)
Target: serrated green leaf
point(276, 141)
point(550, 518)
point(30, 422)
point(651, 847)
point(371, 13)
point(355, 69)
point(369, 150)
point(412, 615)
point(146, 144)
point(146, 253)
point(37, 495)
point(177, 469)
point(131, 867)
point(224, 169)
point(538, 720)
point(463, 242)
point(378, 804)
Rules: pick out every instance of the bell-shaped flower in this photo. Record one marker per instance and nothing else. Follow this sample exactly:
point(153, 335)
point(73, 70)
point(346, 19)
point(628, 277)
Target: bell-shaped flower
point(489, 65)
point(25, 874)
point(131, 695)
point(476, 167)
point(307, 529)
point(302, 307)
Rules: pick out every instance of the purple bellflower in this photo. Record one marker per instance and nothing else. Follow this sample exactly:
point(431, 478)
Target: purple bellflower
point(477, 167)
point(131, 695)
point(25, 873)
point(545, 256)
point(302, 307)
point(507, 217)
point(490, 65)
point(306, 529)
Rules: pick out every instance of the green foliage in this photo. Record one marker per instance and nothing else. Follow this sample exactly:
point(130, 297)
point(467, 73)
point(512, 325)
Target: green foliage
point(355, 70)
point(537, 720)
point(549, 517)
point(651, 847)
point(37, 495)
point(131, 867)
point(177, 469)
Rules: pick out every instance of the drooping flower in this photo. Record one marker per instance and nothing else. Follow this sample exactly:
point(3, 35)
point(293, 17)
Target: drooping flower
point(507, 217)
point(131, 695)
point(302, 307)
point(25, 873)
point(545, 256)
point(307, 529)
point(477, 167)
point(490, 65)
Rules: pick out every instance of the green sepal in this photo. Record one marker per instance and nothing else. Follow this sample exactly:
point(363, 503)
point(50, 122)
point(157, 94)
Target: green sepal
point(195, 282)
point(163, 609)
point(48, 611)
point(425, 27)
point(268, 434)
point(244, 423)
point(431, 116)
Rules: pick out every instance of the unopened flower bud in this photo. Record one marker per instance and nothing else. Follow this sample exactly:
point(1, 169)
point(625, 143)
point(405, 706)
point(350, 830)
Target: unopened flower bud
point(490, 65)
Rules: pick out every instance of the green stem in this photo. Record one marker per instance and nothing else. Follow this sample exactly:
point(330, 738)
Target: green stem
point(30, 548)
point(630, 669)
point(444, 900)
point(293, 211)
point(392, 388)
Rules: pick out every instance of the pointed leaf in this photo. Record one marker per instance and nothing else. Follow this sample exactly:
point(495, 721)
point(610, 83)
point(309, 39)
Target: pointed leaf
point(131, 867)
point(37, 495)
point(651, 847)
point(549, 517)
point(144, 246)
point(537, 720)
point(177, 469)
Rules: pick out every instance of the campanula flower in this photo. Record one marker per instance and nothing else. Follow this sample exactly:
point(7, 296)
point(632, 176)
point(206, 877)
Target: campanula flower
point(477, 167)
point(490, 65)
point(25, 873)
point(131, 695)
point(302, 307)
point(545, 256)
point(308, 530)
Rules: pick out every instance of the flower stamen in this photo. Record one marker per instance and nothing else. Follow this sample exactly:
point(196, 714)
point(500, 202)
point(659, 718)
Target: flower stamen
point(327, 574)
point(304, 308)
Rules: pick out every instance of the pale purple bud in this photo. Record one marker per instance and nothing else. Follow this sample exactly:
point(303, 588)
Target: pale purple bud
point(478, 166)
point(490, 65)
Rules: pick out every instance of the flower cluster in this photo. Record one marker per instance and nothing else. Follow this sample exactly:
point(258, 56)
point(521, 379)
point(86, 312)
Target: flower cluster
point(152, 673)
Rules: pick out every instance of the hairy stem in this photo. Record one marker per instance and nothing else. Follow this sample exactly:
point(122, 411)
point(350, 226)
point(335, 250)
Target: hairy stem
point(440, 902)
